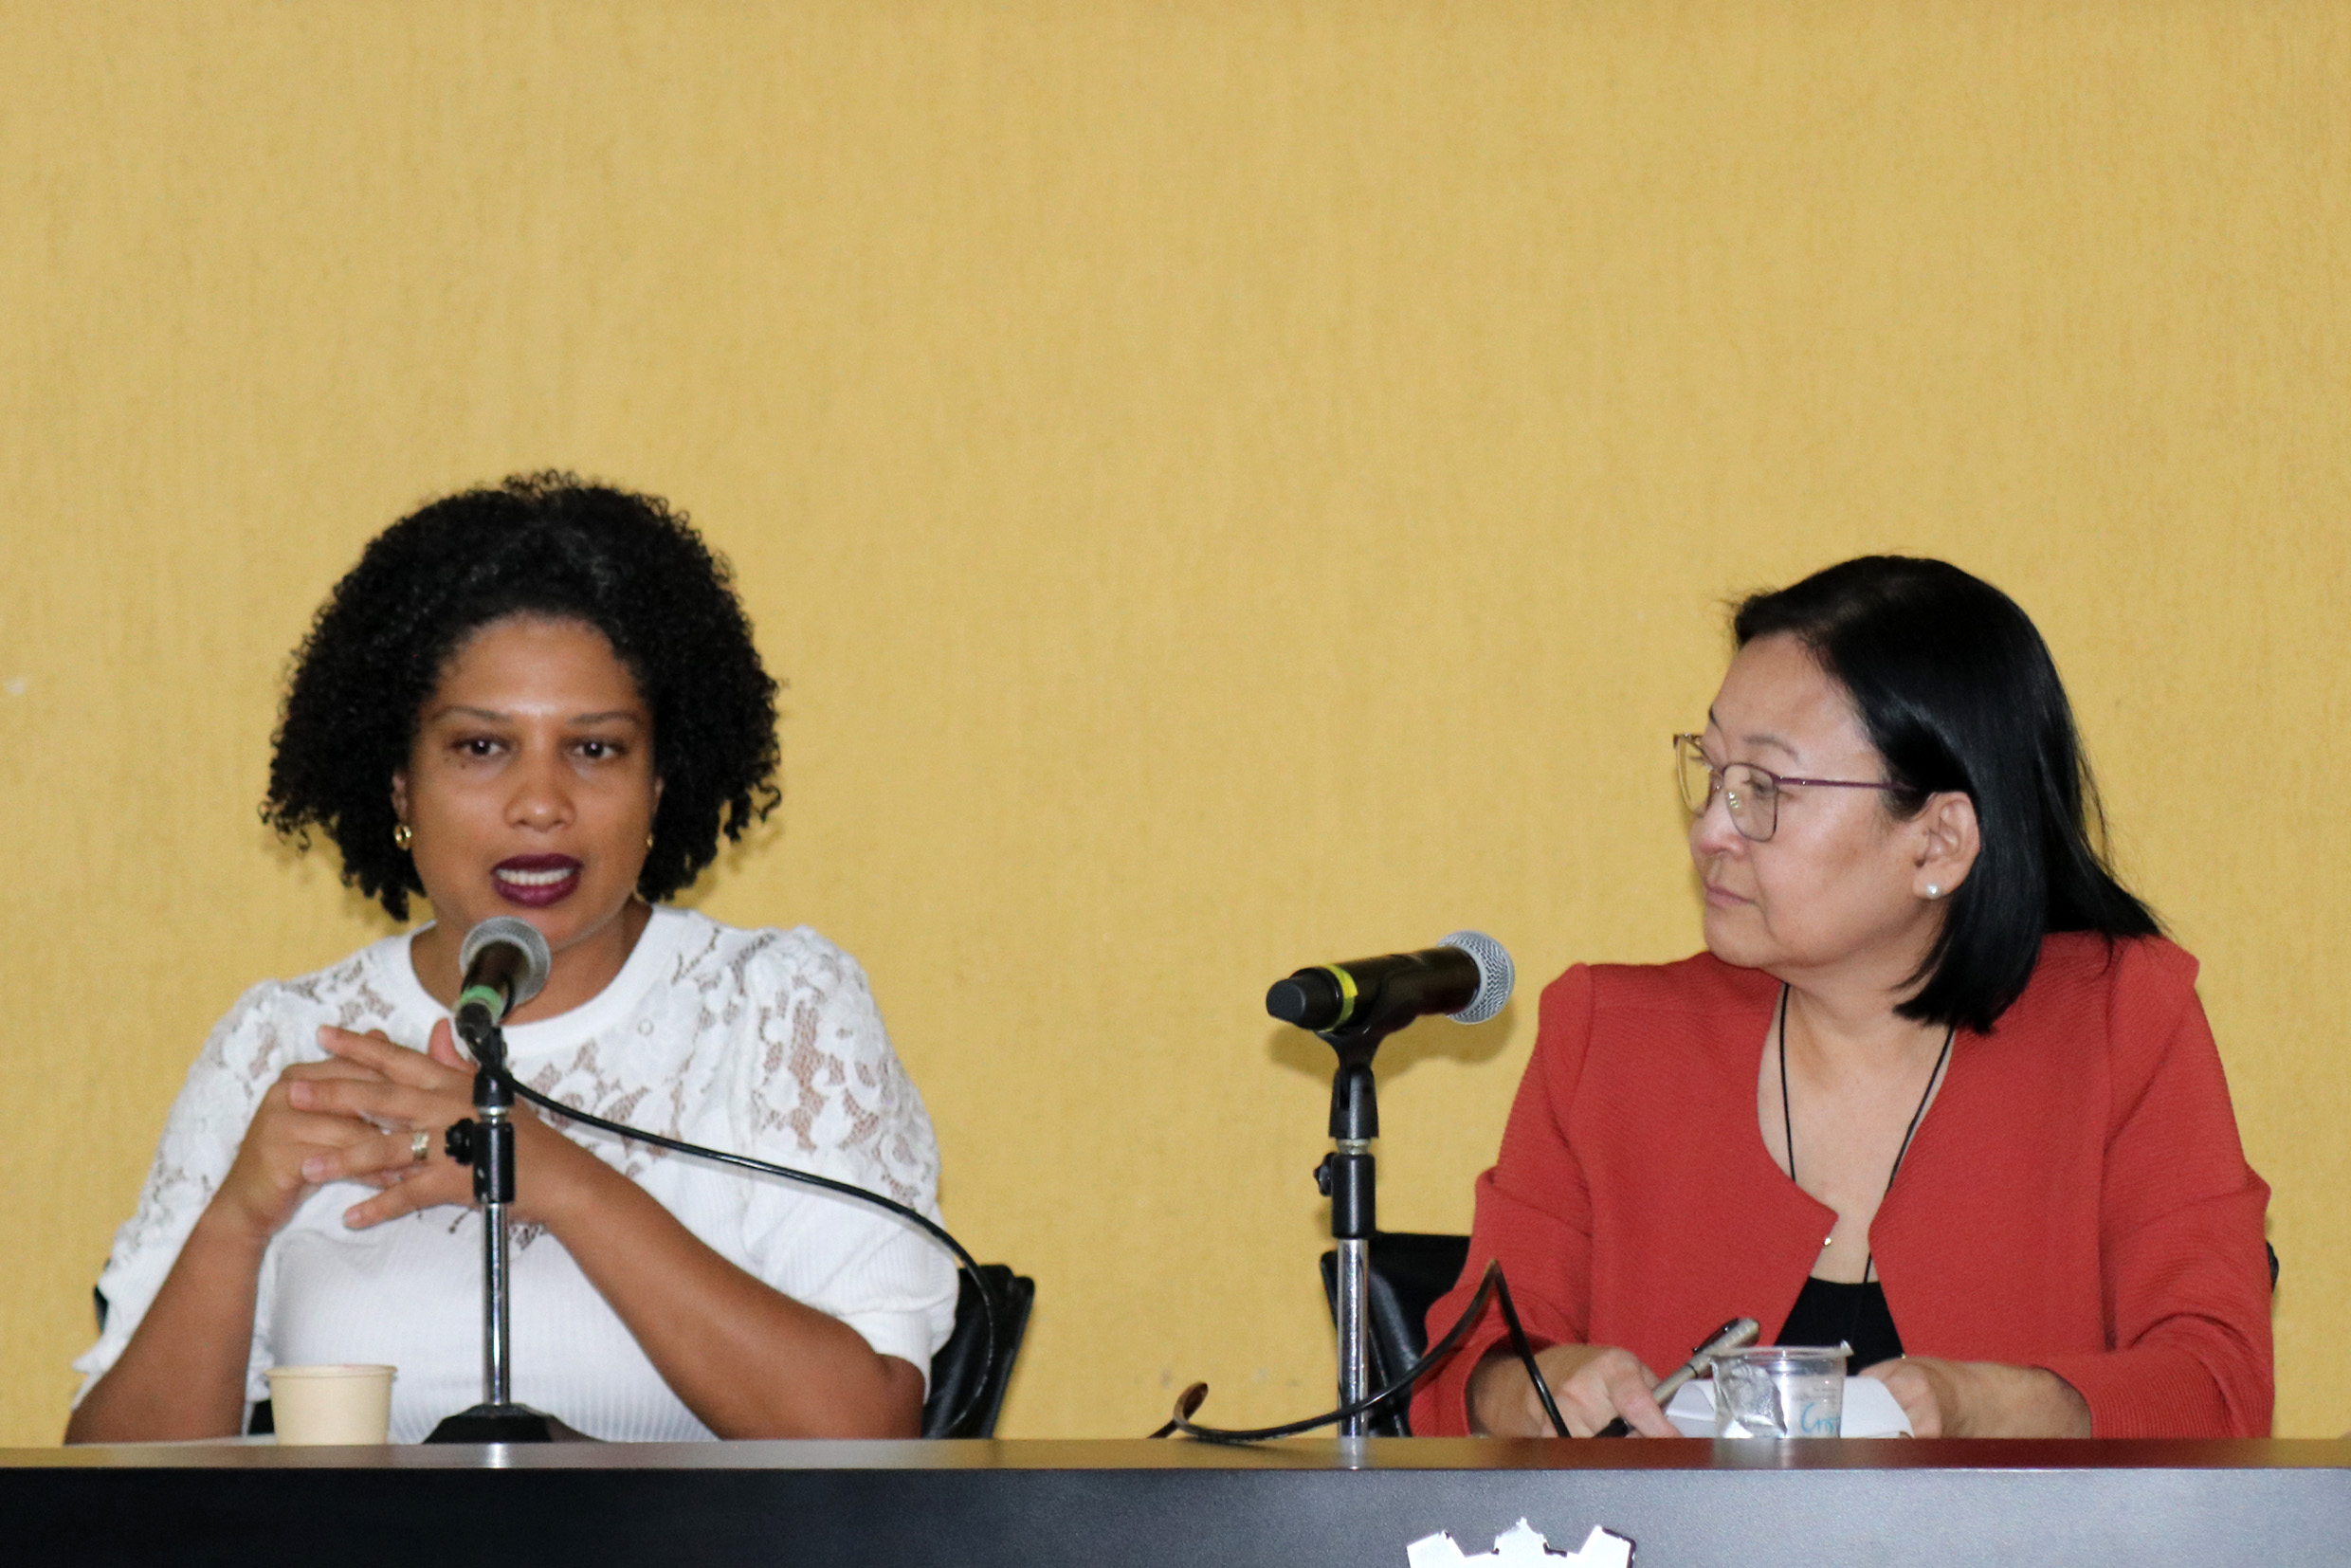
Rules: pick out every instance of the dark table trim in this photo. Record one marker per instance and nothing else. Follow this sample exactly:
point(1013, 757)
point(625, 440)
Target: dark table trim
point(1134, 1504)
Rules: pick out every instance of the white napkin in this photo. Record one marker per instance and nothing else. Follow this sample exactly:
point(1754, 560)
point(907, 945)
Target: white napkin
point(1869, 1410)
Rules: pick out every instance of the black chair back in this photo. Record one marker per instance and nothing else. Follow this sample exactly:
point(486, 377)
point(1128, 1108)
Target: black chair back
point(955, 1369)
point(1410, 1272)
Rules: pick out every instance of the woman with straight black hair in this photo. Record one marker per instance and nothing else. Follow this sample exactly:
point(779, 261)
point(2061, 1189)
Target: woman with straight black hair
point(1939, 1088)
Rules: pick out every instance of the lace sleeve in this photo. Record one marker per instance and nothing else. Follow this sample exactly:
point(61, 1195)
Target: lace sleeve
point(825, 1091)
point(241, 1058)
point(819, 1088)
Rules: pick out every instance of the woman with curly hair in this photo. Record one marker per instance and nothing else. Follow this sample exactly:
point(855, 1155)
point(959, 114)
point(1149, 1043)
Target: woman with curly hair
point(538, 699)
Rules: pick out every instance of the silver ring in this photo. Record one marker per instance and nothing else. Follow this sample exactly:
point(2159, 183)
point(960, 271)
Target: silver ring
point(420, 1146)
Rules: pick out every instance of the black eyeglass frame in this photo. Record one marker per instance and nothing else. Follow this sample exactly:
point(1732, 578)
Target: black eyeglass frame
point(1693, 746)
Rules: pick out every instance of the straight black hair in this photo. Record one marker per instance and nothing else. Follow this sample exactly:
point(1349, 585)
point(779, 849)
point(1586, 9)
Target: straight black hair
point(1957, 692)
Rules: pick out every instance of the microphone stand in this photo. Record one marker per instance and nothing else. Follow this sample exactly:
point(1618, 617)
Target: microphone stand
point(488, 1146)
point(1347, 1177)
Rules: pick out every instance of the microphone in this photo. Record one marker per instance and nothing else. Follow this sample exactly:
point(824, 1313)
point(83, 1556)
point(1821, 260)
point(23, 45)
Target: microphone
point(1467, 978)
point(505, 962)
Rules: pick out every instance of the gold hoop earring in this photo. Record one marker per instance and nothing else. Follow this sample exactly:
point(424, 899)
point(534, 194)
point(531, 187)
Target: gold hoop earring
point(403, 835)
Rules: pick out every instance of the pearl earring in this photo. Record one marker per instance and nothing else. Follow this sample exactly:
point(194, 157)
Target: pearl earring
point(1934, 890)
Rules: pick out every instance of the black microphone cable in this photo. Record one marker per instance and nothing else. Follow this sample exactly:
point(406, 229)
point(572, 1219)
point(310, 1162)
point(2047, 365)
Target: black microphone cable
point(964, 1261)
point(1492, 1286)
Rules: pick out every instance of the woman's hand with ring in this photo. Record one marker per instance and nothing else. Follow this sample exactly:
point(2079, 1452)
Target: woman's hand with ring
point(399, 1097)
point(425, 1091)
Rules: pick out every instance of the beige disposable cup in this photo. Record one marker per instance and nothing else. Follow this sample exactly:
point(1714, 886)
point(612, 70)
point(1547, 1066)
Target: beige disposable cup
point(330, 1404)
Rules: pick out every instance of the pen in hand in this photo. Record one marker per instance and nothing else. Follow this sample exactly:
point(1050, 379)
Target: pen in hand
point(1736, 1334)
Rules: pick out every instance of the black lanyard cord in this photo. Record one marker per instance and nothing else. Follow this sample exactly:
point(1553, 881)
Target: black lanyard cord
point(1787, 1118)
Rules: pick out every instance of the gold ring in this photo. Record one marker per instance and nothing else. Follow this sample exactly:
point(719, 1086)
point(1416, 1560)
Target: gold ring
point(420, 1146)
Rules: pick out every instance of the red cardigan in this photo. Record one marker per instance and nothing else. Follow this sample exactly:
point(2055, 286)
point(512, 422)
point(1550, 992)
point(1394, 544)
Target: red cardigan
point(2075, 1199)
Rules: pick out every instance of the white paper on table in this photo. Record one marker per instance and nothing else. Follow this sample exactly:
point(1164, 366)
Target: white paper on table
point(1869, 1410)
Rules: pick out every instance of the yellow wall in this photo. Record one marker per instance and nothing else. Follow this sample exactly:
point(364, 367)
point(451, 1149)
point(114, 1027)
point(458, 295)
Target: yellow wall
point(1229, 484)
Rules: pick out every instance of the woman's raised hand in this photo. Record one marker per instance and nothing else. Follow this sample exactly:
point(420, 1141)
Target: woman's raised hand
point(267, 1181)
point(355, 1118)
point(409, 1091)
point(1592, 1384)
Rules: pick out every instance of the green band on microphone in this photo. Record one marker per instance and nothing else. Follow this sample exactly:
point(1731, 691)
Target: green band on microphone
point(487, 995)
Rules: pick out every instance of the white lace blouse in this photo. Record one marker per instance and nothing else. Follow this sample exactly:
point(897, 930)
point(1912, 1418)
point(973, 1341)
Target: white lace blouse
point(762, 1042)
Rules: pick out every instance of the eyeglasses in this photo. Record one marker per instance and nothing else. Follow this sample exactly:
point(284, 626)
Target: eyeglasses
point(1751, 794)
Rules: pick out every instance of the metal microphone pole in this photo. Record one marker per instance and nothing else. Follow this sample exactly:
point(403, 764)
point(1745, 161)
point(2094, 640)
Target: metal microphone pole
point(1468, 979)
point(1348, 1177)
point(487, 1145)
point(494, 1190)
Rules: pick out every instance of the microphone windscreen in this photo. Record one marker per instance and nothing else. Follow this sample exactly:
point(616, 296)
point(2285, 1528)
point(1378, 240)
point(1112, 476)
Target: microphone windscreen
point(1496, 975)
point(512, 931)
point(1310, 999)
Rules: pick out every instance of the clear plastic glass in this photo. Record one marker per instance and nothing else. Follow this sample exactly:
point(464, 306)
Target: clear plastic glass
point(1780, 1391)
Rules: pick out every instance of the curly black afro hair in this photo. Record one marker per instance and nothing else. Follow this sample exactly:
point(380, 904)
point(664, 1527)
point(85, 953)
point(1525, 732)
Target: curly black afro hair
point(540, 544)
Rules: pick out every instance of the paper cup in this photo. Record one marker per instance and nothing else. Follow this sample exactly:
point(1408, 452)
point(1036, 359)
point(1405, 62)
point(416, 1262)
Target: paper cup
point(330, 1404)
